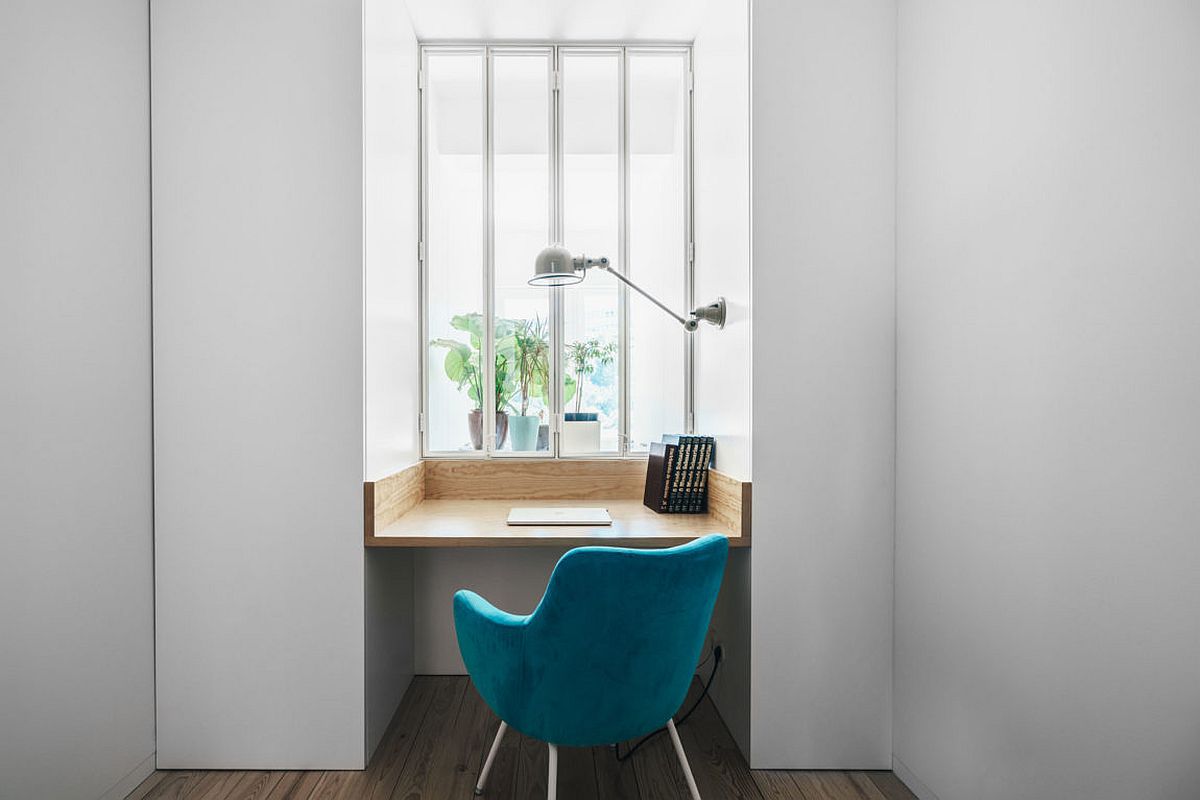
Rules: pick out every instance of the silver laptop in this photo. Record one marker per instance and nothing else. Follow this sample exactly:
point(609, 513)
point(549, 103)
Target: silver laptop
point(559, 516)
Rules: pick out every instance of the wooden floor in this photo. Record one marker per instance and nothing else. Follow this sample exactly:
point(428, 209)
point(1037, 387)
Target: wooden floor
point(434, 749)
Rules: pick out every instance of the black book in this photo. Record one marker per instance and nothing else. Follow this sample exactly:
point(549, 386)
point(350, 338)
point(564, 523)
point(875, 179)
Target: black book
point(698, 470)
point(677, 496)
point(706, 463)
point(676, 489)
point(677, 474)
point(681, 472)
point(660, 475)
point(688, 492)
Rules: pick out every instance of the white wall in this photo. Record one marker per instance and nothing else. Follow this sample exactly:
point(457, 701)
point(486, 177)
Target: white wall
point(1047, 549)
point(730, 629)
point(391, 355)
point(721, 110)
point(823, 131)
point(512, 578)
point(258, 376)
point(389, 643)
point(390, 189)
point(76, 585)
point(721, 141)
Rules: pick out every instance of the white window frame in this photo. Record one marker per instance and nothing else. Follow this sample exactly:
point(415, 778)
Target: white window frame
point(555, 51)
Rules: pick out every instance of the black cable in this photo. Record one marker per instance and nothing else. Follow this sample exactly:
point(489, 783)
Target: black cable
point(717, 654)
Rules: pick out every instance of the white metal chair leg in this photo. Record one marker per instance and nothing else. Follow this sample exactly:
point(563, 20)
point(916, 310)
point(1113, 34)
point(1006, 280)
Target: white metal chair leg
point(491, 756)
point(683, 762)
point(552, 779)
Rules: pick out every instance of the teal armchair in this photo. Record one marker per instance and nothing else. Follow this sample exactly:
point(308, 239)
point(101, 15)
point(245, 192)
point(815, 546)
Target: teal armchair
point(607, 655)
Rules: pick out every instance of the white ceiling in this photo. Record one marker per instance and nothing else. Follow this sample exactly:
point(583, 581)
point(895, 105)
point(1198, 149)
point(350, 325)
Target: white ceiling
point(558, 20)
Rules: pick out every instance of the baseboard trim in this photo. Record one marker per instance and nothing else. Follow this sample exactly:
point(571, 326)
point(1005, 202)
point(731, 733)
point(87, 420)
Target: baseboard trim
point(906, 777)
point(131, 781)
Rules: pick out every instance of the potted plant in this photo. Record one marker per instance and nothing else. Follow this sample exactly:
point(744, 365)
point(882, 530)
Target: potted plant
point(531, 361)
point(463, 365)
point(581, 430)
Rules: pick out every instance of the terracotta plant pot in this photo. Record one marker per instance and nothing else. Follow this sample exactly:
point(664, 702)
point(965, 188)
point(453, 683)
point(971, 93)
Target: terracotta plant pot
point(475, 425)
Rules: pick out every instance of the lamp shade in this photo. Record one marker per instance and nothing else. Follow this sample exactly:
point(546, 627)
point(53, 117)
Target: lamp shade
point(554, 267)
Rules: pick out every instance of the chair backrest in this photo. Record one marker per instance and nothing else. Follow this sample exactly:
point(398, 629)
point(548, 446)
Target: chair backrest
point(611, 649)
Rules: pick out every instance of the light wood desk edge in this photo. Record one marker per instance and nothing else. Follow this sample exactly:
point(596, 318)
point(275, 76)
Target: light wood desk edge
point(465, 503)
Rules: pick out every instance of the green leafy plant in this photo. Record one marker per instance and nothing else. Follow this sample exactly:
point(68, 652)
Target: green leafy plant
point(584, 357)
point(464, 360)
point(531, 358)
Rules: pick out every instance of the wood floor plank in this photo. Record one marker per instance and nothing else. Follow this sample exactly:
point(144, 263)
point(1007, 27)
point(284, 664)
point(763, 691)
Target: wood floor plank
point(576, 773)
point(415, 776)
point(233, 779)
point(392, 753)
point(459, 758)
point(719, 771)
point(831, 785)
point(143, 789)
point(503, 777)
point(776, 784)
point(717, 764)
point(297, 785)
point(657, 768)
point(615, 780)
point(174, 784)
point(533, 762)
point(253, 786)
point(338, 784)
point(205, 782)
point(382, 775)
point(863, 781)
point(890, 786)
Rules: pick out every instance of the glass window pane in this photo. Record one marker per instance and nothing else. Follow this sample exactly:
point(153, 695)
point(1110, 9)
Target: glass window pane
point(658, 185)
point(634, 212)
point(590, 100)
point(521, 203)
point(454, 248)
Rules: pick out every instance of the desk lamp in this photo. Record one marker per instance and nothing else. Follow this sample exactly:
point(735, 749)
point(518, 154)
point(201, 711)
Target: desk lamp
point(555, 266)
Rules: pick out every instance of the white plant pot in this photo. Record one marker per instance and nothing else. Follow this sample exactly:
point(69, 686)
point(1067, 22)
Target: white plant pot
point(581, 437)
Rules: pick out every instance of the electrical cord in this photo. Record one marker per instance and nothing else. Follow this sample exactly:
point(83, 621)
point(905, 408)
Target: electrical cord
point(717, 654)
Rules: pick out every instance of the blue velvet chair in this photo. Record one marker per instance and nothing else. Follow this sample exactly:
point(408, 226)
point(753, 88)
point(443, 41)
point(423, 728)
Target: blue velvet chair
point(607, 655)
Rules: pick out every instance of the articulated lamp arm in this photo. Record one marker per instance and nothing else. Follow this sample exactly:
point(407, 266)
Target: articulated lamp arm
point(690, 324)
point(557, 267)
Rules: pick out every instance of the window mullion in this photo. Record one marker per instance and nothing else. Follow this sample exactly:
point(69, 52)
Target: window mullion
point(556, 234)
point(689, 279)
point(422, 237)
point(488, 400)
point(623, 426)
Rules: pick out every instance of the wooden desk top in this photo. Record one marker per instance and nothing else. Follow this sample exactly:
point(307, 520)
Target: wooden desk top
point(465, 503)
point(482, 523)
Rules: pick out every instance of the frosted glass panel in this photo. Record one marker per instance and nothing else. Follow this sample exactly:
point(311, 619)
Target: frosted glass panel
point(454, 248)
point(658, 183)
point(591, 132)
point(521, 191)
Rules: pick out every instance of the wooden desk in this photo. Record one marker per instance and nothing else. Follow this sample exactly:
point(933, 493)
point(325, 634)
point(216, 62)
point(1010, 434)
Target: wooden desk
point(466, 503)
point(481, 523)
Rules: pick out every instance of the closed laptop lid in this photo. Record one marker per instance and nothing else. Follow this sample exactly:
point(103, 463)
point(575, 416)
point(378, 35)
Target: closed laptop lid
point(559, 516)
